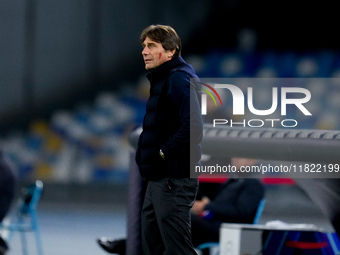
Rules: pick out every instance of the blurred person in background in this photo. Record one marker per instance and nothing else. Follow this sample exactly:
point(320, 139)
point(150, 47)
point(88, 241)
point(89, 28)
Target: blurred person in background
point(7, 189)
point(234, 201)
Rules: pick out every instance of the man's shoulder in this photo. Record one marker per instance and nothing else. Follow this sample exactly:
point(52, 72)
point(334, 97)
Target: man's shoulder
point(178, 80)
point(184, 68)
point(179, 74)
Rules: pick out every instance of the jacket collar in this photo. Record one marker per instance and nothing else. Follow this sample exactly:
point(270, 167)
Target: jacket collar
point(161, 71)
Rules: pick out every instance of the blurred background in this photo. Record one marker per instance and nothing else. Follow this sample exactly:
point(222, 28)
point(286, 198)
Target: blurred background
point(72, 75)
point(72, 78)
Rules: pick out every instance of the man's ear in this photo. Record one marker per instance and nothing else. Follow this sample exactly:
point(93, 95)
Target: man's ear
point(171, 53)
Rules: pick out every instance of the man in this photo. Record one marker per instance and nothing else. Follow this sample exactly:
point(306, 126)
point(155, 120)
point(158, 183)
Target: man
point(235, 201)
point(7, 189)
point(169, 145)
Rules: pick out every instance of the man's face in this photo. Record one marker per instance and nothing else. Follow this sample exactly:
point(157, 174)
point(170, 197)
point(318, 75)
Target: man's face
point(154, 54)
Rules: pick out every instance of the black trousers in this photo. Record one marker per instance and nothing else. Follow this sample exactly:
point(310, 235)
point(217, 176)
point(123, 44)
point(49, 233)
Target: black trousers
point(166, 221)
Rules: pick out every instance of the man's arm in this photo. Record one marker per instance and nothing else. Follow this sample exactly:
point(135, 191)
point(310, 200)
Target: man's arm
point(246, 203)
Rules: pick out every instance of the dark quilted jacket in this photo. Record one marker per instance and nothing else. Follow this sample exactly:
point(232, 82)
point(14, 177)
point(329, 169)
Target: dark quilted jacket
point(166, 124)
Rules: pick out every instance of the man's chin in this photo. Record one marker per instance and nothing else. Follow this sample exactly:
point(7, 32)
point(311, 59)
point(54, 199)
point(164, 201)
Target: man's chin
point(148, 67)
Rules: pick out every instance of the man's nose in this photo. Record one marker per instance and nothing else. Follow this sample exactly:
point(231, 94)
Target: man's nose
point(145, 51)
